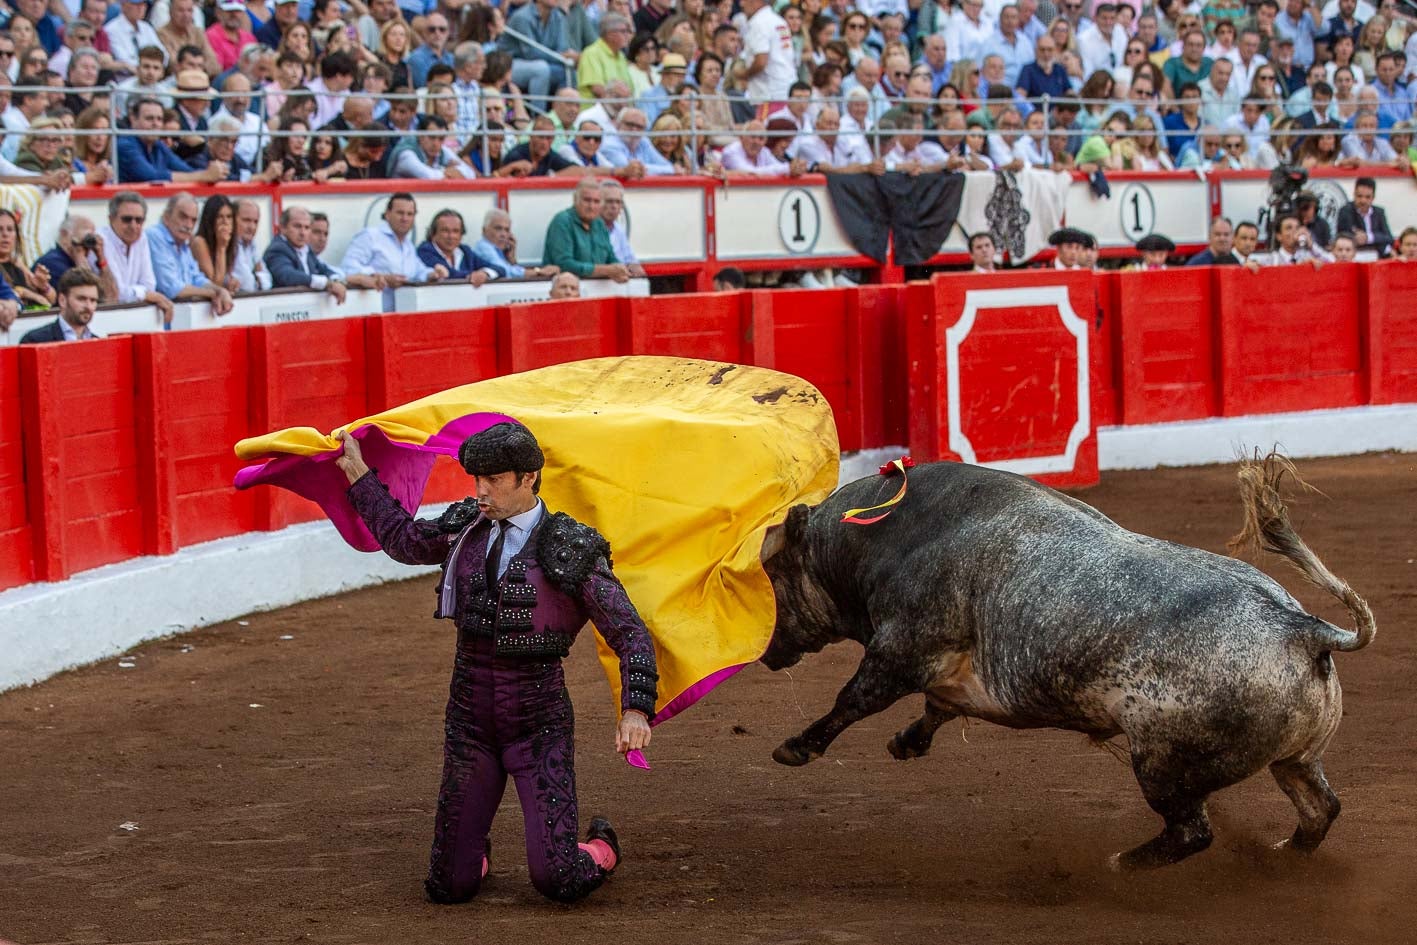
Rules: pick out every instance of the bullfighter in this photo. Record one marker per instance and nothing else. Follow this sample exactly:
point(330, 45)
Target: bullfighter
point(519, 581)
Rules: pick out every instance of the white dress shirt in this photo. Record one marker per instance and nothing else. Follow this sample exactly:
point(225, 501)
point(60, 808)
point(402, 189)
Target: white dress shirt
point(620, 242)
point(252, 132)
point(1101, 52)
point(926, 152)
point(125, 39)
point(518, 528)
point(377, 250)
point(250, 274)
point(845, 150)
point(132, 266)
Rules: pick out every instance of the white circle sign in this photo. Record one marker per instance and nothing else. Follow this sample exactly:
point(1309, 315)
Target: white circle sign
point(799, 221)
point(1138, 212)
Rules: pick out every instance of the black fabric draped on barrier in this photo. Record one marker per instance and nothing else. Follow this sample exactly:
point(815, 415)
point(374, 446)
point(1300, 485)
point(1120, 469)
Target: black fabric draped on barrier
point(918, 211)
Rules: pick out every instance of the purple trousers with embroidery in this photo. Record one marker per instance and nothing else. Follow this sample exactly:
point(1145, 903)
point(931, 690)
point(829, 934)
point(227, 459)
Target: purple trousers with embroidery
point(508, 717)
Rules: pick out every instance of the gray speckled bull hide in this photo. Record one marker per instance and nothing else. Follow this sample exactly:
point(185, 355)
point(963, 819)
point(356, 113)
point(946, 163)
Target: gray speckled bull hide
point(1004, 600)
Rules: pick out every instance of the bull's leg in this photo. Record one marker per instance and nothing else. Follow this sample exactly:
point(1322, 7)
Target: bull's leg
point(1187, 831)
point(876, 686)
point(1318, 806)
point(914, 740)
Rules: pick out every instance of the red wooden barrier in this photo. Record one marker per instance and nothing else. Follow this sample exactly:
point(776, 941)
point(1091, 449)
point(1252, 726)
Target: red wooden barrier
point(713, 326)
point(545, 333)
point(304, 374)
point(1001, 366)
point(412, 356)
point(1391, 299)
point(805, 333)
point(81, 456)
point(1289, 339)
point(875, 329)
point(1167, 355)
point(16, 536)
point(1107, 338)
point(194, 392)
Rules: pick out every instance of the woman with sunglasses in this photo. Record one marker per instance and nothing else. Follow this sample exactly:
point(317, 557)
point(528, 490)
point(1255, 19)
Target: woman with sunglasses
point(854, 30)
point(1266, 86)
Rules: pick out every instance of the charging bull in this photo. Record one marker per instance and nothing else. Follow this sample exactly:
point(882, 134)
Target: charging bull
point(1004, 600)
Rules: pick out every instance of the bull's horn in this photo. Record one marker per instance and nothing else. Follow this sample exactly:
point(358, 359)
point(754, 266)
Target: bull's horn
point(773, 542)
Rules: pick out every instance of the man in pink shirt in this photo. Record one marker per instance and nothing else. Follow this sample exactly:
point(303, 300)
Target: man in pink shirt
point(754, 154)
point(229, 35)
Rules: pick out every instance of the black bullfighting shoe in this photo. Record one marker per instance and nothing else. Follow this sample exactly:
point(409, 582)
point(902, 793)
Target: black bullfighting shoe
point(600, 829)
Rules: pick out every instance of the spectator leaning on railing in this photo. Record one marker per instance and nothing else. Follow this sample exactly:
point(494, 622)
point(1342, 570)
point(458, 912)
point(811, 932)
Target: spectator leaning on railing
point(443, 245)
point(499, 245)
point(125, 247)
point(293, 263)
point(387, 251)
point(175, 269)
point(79, 246)
point(577, 240)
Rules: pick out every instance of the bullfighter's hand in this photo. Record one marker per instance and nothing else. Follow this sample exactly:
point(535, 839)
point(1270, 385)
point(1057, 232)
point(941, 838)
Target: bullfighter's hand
point(633, 733)
point(351, 461)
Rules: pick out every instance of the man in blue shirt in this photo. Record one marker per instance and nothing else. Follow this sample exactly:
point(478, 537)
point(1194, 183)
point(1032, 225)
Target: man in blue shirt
point(630, 144)
point(388, 250)
point(144, 159)
point(170, 243)
point(499, 246)
point(535, 69)
point(433, 51)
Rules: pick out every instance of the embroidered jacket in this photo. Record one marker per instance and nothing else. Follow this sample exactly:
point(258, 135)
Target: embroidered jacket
point(558, 581)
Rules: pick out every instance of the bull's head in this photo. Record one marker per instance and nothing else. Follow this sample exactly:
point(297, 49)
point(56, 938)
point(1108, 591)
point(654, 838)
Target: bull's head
point(805, 621)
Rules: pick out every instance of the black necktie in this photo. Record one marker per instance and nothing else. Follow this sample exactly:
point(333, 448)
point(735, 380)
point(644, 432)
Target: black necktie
point(494, 556)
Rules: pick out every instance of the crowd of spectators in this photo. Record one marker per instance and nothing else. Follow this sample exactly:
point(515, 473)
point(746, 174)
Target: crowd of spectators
point(358, 89)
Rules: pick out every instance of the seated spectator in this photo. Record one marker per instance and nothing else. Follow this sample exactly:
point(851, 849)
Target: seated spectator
point(982, 253)
point(92, 150)
point(584, 148)
point(129, 33)
point(578, 241)
point(221, 151)
point(1365, 146)
point(145, 159)
point(612, 208)
point(237, 105)
point(320, 240)
point(1220, 97)
point(566, 285)
point(230, 34)
point(499, 246)
point(1252, 123)
point(1367, 222)
point(1293, 247)
point(1345, 248)
point(357, 112)
point(603, 61)
point(1217, 253)
point(77, 298)
point(77, 245)
point(192, 110)
point(292, 262)
point(630, 144)
point(125, 247)
point(752, 154)
point(214, 243)
point(537, 69)
point(672, 70)
point(330, 88)
point(1407, 244)
point(31, 287)
point(41, 149)
point(425, 157)
point(288, 150)
point(829, 152)
point(362, 160)
point(1183, 124)
point(388, 250)
point(669, 141)
point(174, 267)
point(1045, 75)
point(443, 245)
point(147, 82)
point(565, 109)
point(539, 158)
point(249, 272)
point(26, 105)
point(729, 279)
point(911, 153)
point(486, 153)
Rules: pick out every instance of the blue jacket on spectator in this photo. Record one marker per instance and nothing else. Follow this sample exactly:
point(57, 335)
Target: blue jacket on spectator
point(466, 263)
point(140, 164)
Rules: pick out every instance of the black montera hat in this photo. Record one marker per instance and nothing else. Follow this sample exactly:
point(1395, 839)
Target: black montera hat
point(1069, 234)
point(503, 447)
point(1153, 242)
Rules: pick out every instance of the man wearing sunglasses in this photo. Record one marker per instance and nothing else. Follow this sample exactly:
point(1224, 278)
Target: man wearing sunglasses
point(433, 51)
point(125, 247)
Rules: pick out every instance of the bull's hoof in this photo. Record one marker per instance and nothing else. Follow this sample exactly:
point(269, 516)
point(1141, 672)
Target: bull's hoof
point(792, 754)
point(903, 749)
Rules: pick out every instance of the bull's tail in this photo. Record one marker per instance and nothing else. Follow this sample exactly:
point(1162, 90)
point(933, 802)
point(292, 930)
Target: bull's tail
point(1267, 526)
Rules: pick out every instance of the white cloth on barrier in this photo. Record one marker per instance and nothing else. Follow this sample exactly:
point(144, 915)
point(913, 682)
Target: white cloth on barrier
point(40, 212)
point(1021, 210)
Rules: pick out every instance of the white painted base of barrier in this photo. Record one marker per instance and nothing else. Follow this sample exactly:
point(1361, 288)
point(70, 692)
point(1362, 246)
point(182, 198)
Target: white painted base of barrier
point(1309, 433)
point(48, 628)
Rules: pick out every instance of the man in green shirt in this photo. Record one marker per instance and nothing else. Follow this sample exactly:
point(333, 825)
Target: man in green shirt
point(1192, 65)
point(604, 60)
point(577, 239)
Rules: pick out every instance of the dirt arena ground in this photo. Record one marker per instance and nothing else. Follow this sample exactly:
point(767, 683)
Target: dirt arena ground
point(273, 780)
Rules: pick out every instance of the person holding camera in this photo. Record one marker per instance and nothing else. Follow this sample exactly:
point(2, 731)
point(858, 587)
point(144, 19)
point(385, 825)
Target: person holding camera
point(78, 247)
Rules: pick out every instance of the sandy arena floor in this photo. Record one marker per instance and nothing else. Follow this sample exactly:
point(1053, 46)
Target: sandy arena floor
point(274, 781)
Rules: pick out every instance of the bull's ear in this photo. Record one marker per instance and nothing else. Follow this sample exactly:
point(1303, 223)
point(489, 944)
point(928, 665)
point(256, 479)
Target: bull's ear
point(787, 534)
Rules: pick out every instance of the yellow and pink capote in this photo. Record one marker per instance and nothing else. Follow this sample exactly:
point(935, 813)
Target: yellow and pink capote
point(681, 464)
